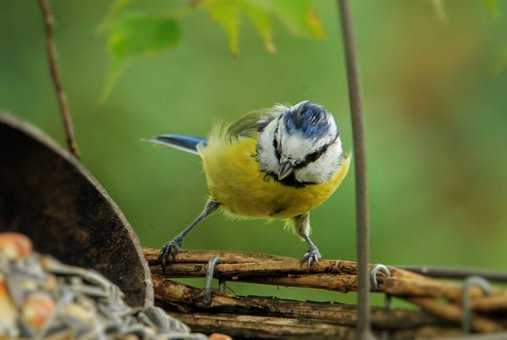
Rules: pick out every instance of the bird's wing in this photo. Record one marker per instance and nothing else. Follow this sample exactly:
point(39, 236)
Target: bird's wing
point(185, 143)
point(247, 126)
point(252, 123)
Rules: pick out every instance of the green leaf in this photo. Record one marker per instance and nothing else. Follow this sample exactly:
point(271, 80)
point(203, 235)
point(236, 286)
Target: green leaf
point(261, 19)
point(134, 34)
point(226, 13)
point(298, 15)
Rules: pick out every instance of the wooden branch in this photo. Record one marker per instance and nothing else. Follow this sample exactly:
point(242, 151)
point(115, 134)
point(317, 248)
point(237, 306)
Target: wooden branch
point(202, 256)
point(258, 327)
point(454, 313)
point(491, 303)
point(338, 275)
point(262, 317)
point(190, 299)
point(439, 298)
point(68, 126)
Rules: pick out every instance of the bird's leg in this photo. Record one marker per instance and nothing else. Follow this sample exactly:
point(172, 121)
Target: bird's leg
point(303, 229)
point(173, 246)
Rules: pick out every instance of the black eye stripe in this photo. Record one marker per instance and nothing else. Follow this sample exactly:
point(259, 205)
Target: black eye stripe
point(312, 157)
point(277, 147)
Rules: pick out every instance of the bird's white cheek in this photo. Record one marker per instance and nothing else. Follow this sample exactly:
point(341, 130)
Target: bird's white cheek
point(266, 152)
point(296, 147)
point(323, 168)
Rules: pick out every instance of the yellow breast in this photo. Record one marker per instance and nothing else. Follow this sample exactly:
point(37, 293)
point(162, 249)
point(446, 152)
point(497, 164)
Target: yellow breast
point(236, 181)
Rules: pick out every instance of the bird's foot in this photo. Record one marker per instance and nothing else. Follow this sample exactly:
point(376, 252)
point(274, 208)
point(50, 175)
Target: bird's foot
point(169, 251)
point(312, 256)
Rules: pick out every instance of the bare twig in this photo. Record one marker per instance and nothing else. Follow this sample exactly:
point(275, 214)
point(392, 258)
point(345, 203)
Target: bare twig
point(339, 275)
point(262, 317)
point(490, 303)
point(262, 327)
point(202, 256)
point(329, 275)
point(437, 297)
point(362, 227)
point(190, 299)
point(452, 312)
point(68, 126)
point(231, 257)
point(258, 327)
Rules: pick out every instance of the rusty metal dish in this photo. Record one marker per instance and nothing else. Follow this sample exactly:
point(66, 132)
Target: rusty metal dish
point(46, 194)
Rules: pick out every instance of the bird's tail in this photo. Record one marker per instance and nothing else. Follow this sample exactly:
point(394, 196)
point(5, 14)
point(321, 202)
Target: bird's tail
point(185, 143)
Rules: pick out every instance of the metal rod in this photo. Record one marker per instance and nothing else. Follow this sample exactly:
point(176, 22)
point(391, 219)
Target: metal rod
point(362, 232)
point(456, 273)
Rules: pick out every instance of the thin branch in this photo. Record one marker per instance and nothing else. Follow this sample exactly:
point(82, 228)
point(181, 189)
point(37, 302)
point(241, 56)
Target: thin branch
point(437, 297)
point(329, 275)
point(152, 255)
point(254, 316)
point(338, 275)
point(174, 296)
point(68, 126)
point(454, 313)
point(362, 226)
point(258, 327)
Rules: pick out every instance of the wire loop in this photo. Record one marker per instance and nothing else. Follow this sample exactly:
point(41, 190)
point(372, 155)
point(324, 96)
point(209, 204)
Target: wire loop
point(486, 288)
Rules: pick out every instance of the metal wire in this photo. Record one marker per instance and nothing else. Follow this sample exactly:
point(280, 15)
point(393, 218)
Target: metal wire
point(467, 309)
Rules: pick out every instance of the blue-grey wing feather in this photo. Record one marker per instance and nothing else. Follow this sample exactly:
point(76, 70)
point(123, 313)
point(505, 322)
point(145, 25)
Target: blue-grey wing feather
point(247, 126)
point(182, 142)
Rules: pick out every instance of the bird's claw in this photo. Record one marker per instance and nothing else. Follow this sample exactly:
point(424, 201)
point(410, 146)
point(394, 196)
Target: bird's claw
point(312, 256)
point(169, 251)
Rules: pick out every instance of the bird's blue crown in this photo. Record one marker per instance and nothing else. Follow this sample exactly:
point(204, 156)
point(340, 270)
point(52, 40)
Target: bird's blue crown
point(307, 118)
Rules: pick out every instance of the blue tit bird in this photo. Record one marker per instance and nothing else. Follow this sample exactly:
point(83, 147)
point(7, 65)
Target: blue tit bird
point(277, 163)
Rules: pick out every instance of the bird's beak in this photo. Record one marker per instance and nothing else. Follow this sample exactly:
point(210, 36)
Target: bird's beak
point(285, 170)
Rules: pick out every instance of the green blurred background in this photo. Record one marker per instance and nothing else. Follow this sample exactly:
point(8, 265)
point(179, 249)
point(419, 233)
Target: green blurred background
point(435, 98)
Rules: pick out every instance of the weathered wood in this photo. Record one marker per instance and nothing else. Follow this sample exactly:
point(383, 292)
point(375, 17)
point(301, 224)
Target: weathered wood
point(261, 327)
point(191, 300)
point(258, 327)
point(203, 256)
point(269, 269)
point(331, 275)
point(490, 303)
point(439, 298)
point(454, 313)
